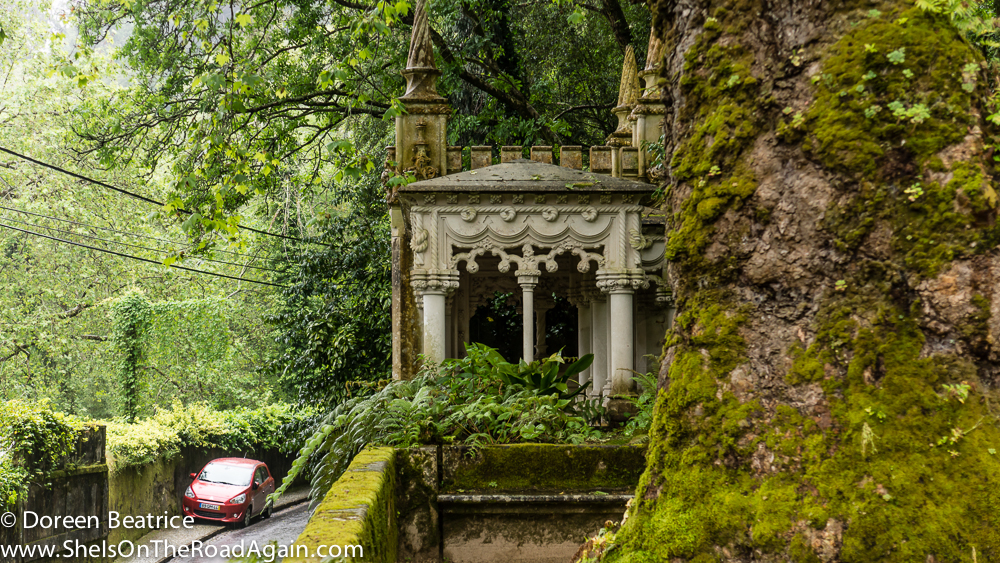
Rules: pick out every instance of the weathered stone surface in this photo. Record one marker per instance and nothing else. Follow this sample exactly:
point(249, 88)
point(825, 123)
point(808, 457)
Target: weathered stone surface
point(527, 175)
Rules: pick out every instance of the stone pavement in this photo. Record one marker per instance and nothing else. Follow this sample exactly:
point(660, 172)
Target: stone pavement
point(203, 531)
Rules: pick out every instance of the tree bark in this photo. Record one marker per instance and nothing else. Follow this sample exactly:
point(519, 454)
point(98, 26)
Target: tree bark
point(827, 391)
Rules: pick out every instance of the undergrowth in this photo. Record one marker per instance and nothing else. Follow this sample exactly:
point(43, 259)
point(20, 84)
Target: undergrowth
point(478, 401)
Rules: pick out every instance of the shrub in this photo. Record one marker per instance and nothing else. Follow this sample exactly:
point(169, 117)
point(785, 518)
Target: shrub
point(161, 436)
point(140, 443)
point(34, 440)
point(474, 401)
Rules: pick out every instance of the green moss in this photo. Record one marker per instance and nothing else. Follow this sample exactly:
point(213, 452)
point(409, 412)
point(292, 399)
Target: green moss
point(709, 199)
point(973, 189)
point(545, 468)
point(852, 123)
point(359, 509)
point(801, 552)
point(902, 497)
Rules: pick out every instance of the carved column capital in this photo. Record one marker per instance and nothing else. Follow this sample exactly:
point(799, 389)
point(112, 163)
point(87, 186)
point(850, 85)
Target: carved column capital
point(442, 282)
point(621, 281)
point(528, 279)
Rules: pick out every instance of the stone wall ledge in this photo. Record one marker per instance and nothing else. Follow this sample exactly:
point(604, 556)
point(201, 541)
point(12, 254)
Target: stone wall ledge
point(358, 510)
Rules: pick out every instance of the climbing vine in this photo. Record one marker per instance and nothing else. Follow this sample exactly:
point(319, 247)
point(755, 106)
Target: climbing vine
point(131, 318)
point(34, 440)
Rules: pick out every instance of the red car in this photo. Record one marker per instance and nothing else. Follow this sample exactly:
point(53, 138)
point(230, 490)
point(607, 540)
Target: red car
point(230, 489)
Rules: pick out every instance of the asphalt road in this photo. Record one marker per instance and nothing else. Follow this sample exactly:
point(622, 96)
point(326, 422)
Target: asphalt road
point(281, 529)
point(153, 548)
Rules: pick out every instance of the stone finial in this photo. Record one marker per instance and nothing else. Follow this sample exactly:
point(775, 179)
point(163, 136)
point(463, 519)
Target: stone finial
point(655, 50)
point(628, 93)
point(654, 55)
point(421, 73)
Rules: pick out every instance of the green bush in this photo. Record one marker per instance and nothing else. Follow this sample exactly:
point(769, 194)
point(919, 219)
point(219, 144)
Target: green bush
point(478, 400)
point(161, 436)
point(34, 440)
point(140, 443)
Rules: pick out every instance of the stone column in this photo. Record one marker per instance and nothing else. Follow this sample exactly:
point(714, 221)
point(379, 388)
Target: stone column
point(434, 286)
point(528, 281)
point(599, 343)
point(621, 289)
point(435, 325)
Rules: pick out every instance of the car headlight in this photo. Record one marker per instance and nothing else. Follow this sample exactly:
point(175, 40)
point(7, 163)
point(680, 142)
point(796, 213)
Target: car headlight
point(189, 493)
point(238, 499)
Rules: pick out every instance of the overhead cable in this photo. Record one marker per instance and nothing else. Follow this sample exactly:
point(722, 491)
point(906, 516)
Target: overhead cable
point(109, 229)
point(158, 250)
point(105, 250)
point(141, 197)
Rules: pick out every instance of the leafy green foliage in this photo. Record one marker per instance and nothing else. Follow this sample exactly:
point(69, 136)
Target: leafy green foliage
point(131, 324)
point(332, 327)
point(640, 422)
point(463, 401)
point(161, 436)
point(542, 376)
point(304, 78)
point(34, 440)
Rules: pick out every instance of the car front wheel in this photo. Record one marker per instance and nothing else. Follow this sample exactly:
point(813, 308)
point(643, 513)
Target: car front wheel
point(248, 516)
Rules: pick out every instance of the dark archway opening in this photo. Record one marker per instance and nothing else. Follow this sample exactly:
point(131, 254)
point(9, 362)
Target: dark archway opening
point(498, 325)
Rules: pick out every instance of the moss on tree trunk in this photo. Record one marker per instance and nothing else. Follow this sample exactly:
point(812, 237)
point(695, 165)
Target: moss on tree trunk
point(827, 391)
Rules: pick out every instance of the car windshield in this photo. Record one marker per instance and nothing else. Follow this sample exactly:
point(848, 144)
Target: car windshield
point(226, 474)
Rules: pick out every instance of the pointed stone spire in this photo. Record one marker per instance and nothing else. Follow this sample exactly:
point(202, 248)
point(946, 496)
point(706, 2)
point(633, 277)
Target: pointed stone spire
point(628, 93)
point(648, 111)
point(421, 73)
point(629, 88)
point(654, 56)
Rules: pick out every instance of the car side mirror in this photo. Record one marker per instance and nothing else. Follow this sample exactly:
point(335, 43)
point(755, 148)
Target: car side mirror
point(193, 476)
point(255, 486)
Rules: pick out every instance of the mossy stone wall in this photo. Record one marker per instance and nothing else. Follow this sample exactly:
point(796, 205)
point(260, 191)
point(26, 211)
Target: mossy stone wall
point(359, 510)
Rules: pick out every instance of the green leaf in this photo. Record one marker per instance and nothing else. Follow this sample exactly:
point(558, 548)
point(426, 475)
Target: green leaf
point(244, 19)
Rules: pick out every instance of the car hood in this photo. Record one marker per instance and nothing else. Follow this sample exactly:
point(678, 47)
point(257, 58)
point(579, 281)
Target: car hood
point(215, 491)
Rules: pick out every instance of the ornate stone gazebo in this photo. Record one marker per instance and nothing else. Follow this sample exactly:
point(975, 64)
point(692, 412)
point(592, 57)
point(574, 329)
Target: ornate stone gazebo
point(526, 227)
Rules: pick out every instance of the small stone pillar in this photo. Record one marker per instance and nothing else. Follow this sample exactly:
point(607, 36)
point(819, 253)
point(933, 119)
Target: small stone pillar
point(620, 287)
point(528, 280)
point(542, 154)
point(578, 298)
point(571, 157)
point(649, 108)
point(599, 342)
point(540, 348)
point(481, 157)
point(509, 153)
point(627, 93)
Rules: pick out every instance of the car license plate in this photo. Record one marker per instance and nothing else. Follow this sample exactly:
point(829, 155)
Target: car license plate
point(208, 506)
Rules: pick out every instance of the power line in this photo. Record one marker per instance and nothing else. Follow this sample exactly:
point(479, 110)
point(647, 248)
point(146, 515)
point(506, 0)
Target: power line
point(158, 250)
point(140, 197)
point(140, 258)
point(116, 231)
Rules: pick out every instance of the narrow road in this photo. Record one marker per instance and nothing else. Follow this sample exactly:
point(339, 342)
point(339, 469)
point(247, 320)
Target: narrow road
point(161, 546)
point(280, 530)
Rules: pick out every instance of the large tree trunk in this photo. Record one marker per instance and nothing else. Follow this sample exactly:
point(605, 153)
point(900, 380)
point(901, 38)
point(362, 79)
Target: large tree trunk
point(827, 391)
